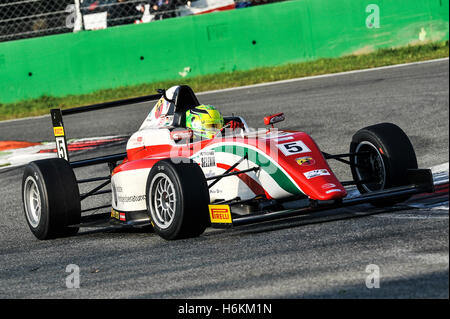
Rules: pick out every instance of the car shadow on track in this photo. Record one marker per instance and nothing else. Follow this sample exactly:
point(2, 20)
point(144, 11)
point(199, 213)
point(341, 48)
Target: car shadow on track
point(317, 218)
point(115, 230)
point(291, 222)
point(412, 205)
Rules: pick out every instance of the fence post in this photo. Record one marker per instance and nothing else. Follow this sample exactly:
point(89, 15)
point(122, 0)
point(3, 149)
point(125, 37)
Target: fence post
point(78, 17)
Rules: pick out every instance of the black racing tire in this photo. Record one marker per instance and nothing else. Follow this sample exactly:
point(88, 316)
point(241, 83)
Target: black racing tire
point(51, 198)
point(389, 156)
point(177, 199)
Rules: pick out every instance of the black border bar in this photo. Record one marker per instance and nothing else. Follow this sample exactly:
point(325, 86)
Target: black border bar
point(99, 106)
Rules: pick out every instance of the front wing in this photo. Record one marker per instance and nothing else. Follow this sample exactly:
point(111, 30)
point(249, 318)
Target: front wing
point(421, 181)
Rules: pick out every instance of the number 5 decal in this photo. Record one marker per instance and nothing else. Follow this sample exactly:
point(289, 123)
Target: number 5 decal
point(61, 148)
point(293, 148)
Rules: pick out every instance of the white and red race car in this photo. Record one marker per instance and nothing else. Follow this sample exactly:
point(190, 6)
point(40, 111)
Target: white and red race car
point(180, 185)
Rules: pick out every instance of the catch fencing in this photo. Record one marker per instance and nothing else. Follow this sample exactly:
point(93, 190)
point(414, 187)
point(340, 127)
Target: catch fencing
point(20, 19)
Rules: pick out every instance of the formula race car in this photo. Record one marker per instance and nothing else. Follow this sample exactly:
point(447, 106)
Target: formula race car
point(181, 184)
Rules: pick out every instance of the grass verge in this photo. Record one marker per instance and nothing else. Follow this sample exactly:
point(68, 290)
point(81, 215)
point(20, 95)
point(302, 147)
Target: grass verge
point(378, 58)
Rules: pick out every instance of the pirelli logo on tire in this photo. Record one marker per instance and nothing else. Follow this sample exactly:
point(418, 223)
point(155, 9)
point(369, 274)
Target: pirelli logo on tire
point(220, 215)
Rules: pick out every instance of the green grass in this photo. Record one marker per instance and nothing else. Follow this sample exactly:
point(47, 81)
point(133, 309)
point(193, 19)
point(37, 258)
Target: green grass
point(378, 58)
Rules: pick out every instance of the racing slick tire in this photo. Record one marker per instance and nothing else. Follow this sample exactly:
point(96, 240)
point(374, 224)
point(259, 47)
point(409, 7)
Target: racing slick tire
point(177, 198)
point(389, 155)
point(51, 198)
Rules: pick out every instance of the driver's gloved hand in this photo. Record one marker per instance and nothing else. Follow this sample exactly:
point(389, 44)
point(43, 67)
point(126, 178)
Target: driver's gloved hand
point(235, 124)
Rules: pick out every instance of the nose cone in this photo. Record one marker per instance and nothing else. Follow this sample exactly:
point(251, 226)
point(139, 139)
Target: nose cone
point(310, 170)
point(320, 183)
point(327, 189)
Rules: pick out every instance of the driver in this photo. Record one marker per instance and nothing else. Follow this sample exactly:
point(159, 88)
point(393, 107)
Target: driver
point(206, 121)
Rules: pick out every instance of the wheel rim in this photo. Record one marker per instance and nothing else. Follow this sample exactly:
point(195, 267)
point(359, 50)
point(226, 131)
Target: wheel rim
point(162, 201)
point(375, 169)
point(32, 199)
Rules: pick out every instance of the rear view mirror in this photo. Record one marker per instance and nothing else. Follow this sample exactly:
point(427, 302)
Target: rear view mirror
point(275, 118)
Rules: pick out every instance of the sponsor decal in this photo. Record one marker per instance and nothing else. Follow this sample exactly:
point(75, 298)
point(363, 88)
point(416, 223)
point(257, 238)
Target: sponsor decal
point(278, 135)
point(316, 173)
point(165, 121)
point(281, 139)
point(136, 141)
point(114, 214)
point(208, 159)
point(220, 214)
point(127, 199)
point(58, 131)
point(328, 185)
point(292, 148)
point(117, 215)
point(159, 108)
point(333, 191)
point(305, 161)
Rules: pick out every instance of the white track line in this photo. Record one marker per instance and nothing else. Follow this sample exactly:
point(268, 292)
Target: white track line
point(25, 118)
point(306, 78)
point(313, 77)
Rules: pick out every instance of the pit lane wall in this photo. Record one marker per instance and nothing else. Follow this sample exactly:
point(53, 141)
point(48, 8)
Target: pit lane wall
point(242, 39)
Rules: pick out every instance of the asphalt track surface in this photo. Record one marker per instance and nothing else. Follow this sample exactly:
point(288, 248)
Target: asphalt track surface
point(324, 255)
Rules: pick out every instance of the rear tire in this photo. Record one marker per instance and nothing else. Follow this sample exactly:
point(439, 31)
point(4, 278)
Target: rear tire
point(177, 198)
point(389, 156)
point(51, 198)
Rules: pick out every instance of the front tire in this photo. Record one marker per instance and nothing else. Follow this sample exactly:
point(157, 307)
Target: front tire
point(386, 155)
point(177, 198)
point(51, 198)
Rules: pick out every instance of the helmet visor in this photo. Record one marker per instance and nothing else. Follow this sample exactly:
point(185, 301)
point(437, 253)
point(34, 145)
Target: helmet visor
point(212, 126)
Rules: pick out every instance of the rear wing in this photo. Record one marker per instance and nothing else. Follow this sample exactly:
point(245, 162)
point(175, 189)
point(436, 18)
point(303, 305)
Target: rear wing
point(63, 152)
point(60, 132)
